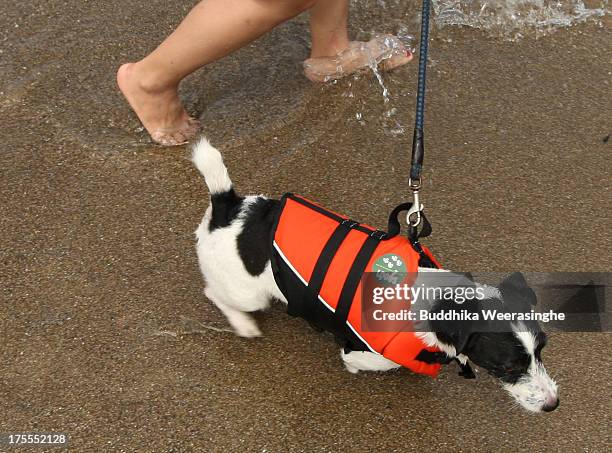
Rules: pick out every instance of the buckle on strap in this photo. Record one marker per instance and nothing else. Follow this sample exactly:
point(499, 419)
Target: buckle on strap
point(377, 234)
point(349, 223)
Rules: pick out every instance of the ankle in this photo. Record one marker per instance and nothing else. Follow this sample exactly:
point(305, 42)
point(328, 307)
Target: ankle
point(149, 80)
point(331, 48)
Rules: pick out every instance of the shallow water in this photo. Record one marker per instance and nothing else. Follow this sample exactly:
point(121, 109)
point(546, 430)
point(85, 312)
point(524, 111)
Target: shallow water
point(511, 19)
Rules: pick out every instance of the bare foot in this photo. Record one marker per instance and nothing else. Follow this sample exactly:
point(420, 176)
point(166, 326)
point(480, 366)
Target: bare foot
point(159, 111)
point(386, 51)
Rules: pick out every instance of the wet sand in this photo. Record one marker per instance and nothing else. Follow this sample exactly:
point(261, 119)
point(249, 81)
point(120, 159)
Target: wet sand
point(102, 307)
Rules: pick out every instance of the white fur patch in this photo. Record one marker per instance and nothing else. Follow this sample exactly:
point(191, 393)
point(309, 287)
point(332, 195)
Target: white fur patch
point(526, 337)
point(209, 162)
point(227, 280)
point(431, 340)
point(536, 389)
point(490, 292)
point(366, 361)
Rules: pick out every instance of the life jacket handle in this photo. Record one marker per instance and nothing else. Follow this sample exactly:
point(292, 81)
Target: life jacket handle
point(394, 227)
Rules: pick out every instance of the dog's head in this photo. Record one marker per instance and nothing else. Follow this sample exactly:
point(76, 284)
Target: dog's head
point(509, 350)
point(515, 359)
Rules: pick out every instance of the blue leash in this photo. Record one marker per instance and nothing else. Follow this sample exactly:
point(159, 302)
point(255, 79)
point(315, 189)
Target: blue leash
point(420, 109)
point(418, 147)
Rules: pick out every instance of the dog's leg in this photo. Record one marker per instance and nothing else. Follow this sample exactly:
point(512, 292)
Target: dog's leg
point(243, 324)
point(466, 369)
point(354, 361)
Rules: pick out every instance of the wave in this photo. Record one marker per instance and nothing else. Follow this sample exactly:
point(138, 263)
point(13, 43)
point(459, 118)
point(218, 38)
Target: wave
point(512, 19)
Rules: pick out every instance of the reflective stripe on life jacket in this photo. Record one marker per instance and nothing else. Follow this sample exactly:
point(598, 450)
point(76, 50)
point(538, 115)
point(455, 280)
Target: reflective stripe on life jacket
point(318, 259)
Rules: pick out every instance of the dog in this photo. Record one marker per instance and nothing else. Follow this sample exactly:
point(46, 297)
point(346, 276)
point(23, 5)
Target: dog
point(234, 255)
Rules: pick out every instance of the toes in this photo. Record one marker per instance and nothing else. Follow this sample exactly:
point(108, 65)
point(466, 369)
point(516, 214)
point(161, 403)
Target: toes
point(396, 60)
point(178, 136)
point(389, 51)
point(168, 138)
point(161, 138)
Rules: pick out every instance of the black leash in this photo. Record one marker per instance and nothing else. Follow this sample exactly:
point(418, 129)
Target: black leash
point(415, 214)
point(418, 148)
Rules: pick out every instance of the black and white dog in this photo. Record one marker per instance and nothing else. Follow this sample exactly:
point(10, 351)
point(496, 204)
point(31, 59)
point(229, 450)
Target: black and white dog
point(234, 257)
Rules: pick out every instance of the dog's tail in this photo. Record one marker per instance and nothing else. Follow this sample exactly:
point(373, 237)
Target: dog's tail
point(223, 199)
point(208, 160)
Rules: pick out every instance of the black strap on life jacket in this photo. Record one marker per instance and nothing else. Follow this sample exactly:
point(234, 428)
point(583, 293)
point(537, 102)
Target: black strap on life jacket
point(309, 309)
point(354, 277)
point(311, 295)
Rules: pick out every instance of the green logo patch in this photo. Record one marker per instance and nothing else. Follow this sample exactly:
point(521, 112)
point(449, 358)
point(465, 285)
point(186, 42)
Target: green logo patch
point(389, 269)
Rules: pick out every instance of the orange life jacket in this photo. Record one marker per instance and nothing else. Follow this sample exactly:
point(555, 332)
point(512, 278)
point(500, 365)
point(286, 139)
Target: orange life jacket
point(318, 259)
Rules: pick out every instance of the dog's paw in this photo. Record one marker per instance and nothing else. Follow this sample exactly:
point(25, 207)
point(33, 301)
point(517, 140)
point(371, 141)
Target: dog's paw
point(247, 329)
point(466, 371)
point(351, 369)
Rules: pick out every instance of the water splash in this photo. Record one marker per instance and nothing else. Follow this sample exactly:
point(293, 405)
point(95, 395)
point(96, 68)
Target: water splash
point(386, 46)
point(390, 46)
point(407, 38)
point(506, 19)
point(381, 82)
point(512, 19)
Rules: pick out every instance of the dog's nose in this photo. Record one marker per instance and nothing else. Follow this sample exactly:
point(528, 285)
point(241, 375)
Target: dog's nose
point(549, 407)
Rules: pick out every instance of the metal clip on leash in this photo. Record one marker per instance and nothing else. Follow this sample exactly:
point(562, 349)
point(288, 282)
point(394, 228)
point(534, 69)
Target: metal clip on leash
point(414, 216)
point(414, 213)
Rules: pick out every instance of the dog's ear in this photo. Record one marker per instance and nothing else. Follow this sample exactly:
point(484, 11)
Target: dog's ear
point(515, 289)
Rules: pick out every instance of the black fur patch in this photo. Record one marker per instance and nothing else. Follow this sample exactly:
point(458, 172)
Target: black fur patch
point(433, 357)
point(225, 207)
point(426, 262)
point(491, 345)
point(254, 239)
